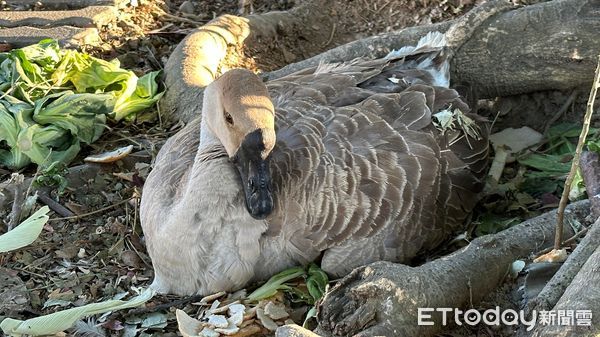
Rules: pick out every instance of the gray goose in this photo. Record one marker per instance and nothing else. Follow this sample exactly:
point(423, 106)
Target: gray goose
point(340, 162)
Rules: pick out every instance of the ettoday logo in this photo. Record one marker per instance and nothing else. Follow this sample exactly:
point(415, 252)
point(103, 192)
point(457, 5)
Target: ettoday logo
point(499, 316)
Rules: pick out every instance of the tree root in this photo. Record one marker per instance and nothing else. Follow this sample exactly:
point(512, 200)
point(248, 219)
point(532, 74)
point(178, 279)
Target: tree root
point(496, 51)
point(582, 293)
point(590, 169)
point(383, 298)
point(554, 289)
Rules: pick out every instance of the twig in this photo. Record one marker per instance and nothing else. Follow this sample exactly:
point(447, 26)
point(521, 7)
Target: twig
point(17, 206)
point(382, 7)
point(177, 18)
point(55, 206)
point(166, 306)
point(92, 212)
point(330, 36)
point(575, 163)
point(554, 289)
point(568, 241)
point(562, 110)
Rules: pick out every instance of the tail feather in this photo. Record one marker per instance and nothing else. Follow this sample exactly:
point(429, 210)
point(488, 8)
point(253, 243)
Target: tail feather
point(427, 55)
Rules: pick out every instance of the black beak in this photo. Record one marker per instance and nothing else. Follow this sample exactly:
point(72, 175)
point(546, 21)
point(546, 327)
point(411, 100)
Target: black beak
point(255, 176)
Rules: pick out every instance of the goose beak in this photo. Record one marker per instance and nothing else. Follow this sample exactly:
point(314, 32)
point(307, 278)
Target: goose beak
point(256, 178)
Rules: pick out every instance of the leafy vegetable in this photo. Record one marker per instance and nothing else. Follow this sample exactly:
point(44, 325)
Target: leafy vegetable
point(275, 283)
point(59, 321)
point(25, 233)
point(316, 281)
point(52, 100)
point(53, 175)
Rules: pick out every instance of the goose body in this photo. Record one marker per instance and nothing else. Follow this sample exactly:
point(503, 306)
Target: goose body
point(343, 162)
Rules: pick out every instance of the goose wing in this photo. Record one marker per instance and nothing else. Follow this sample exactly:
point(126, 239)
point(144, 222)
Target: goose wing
point(170, 174)
point(357, 156)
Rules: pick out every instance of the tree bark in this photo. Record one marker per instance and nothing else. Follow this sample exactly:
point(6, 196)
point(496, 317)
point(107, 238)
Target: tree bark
point(555, 288)
point(497, 52)
point(581, 294)
point(590, 170)
point(383, 299)
point(548, 46)
point(198, 58)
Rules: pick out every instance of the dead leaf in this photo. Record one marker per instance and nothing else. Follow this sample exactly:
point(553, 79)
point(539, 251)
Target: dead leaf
point(110, 157)
point(188, 326)
point(131, 259)
point(516, 139)
point(554, 255)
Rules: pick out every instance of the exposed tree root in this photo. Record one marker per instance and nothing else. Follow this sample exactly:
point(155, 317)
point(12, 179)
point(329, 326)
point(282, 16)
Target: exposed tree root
point(382, 299)
point(576, 286)
point(496, 51)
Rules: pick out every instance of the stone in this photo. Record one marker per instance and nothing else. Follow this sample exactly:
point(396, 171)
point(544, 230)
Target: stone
point(293, 330)
point(95, 16)
point(187, 7)
point(66, 36)
point(65, 4)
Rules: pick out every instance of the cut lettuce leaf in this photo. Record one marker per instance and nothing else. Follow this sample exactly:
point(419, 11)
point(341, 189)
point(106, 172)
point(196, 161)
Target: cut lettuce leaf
point(51, 100)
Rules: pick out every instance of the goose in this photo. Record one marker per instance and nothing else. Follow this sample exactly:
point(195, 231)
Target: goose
point(344, 163)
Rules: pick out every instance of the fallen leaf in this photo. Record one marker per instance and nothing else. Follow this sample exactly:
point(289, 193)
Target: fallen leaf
point(188, 326)
point(554, 255)
point(110, 157)
point(516, 139)
point(26, 232)
point(63, 320)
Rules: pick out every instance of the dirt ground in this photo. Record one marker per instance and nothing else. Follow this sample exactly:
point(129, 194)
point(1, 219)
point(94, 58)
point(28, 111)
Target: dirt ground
point(99, 253)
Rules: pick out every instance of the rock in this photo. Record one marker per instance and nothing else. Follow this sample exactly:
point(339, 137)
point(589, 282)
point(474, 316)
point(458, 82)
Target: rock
point(293, 330)
point(65, 35)
point(96, 16)
point(187, 7)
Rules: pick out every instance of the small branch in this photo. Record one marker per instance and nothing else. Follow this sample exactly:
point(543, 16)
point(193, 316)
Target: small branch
point(554, 289)
point(55, 206)
point(165, 306)
point(568, 241)
point(92, 212)
point(331, 35)
point(561, 111)
point(575, 162)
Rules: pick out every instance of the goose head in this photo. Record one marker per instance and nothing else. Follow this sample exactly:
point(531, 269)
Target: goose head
point(238, 111)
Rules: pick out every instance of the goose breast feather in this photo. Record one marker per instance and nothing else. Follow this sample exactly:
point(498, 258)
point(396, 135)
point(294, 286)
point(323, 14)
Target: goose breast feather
point(359, 172)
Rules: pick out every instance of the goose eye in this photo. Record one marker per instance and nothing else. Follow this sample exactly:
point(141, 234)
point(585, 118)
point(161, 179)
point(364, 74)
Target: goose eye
point(228, 118)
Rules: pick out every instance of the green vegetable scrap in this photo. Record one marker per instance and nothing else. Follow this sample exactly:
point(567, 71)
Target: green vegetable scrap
point(51, 100)
point(309, 291)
